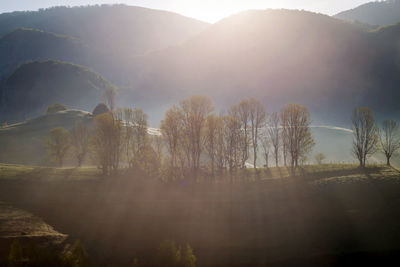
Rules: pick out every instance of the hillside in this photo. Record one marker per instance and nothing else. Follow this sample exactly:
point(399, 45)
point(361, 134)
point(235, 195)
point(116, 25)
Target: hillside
point(278, 56)
point(375, 13)
point(22, 45)
point(36, 85)
point(119, 29)
point(25, 142)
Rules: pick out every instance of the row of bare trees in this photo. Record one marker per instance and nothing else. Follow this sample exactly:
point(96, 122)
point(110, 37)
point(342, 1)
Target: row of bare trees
point(370, 138)
point(197, 137)
point(193, 139)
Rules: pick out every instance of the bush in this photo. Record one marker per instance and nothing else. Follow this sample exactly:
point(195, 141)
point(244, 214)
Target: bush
point(55, 108)
point(100, 109)
point(171, 255)
point(78, 256)
point(168, 254)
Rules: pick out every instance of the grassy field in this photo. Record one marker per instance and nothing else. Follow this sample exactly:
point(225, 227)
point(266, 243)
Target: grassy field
point(326, 215)
point(25, 142)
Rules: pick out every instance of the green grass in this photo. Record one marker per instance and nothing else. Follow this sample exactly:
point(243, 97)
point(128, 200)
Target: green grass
point(34, 173)
point(25, 142)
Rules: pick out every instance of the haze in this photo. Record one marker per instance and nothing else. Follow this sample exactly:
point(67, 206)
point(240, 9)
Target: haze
point(206, 10)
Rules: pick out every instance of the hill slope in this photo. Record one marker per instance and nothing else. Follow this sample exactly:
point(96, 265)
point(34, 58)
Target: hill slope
point(22, 45)
point(126, 30)
point(24, 143)
point(278, 56)
point(375, 13)
point(36, 85)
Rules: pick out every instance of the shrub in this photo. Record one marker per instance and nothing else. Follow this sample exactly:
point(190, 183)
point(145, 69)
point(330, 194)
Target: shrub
point(100, 109)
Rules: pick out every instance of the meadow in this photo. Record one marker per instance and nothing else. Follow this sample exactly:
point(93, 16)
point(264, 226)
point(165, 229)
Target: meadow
point(324, 215)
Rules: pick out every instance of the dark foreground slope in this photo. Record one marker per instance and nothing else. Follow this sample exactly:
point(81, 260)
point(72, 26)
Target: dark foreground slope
point(330, 215)
point(374, 13)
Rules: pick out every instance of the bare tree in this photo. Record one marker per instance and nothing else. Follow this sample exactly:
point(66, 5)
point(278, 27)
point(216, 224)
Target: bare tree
point(211, 139)
point(274, 132)
point(139, 127)
point(58, 144)
point(266, 146)
point(158, 146)
point(195, 111)
point(284, 137)
point(80, 142)
point(232, 136)
point(109, 97)
point(243, 114)
point(258, 118)
point(319, 158)
point(107, 143)
point(220, 156)
point(389, 138)
point(171, 127)
point(296, 125)
point(128, 136)
point(365, 133)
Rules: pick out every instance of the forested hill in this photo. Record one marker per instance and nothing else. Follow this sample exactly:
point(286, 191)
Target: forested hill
point(375, 13)
point(36, 85)
point(278, 56)
point(126, 30)
point(22, 45)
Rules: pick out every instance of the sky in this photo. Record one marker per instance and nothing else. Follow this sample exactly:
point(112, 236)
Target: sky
point(206, 10)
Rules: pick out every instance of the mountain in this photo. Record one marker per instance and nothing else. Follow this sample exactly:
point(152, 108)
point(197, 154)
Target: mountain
point(119, 29)
point(22, 45)
point(375, 13)
point(36, 85)
point(277, 56)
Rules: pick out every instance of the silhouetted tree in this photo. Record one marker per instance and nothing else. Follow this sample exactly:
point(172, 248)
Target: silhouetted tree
point(365, 133)
point(58, 144)
point(389, 137)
